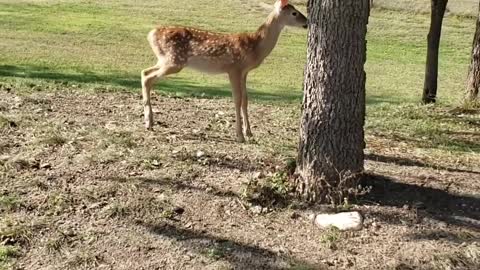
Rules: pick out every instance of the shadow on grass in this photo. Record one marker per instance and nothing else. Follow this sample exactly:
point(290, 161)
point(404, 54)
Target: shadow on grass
point(456, 237)
point(224, 162)
point(453, 141)
point(262, 195)
point(239, 255)
point(172, 85)
point(413, 163)
point(438, 204)
point(184, 184)
point(380, 100)
point(474, 122)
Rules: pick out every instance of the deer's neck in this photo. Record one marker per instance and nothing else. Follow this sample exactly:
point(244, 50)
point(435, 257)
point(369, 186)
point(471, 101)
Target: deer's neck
point(268, 34)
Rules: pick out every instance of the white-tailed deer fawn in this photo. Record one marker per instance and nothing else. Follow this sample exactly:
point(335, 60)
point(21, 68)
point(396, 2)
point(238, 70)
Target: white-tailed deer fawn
point(234, 54)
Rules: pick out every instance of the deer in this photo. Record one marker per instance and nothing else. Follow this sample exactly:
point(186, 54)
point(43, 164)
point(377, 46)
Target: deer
point(178, 47)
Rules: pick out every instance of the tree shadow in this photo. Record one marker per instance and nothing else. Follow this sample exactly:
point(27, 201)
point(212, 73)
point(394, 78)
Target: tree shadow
point(41, 72)
point(461, 210)
point(257, 195)
point(239, 255)
point(413, 163)
point(460, 115)
point(379, 100)
point(439, 140)
point(182, 184)
point(456, 237)
point(224, 161)
point(171, 86)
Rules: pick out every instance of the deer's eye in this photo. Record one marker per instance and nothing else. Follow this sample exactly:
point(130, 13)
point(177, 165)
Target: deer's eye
point(294, 14)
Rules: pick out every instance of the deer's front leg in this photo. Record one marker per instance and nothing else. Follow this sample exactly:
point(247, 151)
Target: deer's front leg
point(246, 122)
point(235, 81)
point(147, 105)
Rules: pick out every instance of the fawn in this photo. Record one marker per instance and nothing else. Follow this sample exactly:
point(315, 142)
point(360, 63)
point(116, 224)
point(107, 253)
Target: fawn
point(234, 54)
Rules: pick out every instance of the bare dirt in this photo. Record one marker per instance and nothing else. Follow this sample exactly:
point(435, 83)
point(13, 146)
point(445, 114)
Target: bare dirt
point(84, 186)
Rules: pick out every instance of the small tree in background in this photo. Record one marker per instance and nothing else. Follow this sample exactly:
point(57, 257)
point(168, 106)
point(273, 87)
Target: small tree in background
point(438, 8)
point(473, 81)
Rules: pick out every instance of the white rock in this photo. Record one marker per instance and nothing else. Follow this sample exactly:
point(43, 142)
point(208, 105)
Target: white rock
point(347, 221)
point(219, 114)
point(257, 209)
point(112, 125)
point(200, 154)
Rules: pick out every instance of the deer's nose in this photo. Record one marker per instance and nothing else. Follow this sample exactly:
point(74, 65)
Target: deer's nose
point(305, 26)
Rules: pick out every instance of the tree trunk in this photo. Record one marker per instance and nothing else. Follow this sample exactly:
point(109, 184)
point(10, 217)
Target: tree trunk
point(431, 70)
point(331, 134)
point(473, 81)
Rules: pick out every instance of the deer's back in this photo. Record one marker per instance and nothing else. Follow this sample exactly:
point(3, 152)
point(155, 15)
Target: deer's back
point(204, 50)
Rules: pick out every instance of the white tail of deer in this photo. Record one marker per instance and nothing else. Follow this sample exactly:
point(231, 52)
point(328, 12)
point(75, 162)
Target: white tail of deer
point(234, 54)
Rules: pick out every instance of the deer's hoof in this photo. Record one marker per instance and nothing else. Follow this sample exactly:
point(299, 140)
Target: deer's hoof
point(249, 133)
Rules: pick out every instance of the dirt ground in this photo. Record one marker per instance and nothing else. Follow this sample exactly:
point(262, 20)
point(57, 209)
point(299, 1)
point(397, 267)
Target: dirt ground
point(84, 186)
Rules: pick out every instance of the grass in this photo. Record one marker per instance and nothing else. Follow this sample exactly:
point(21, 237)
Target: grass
point(53, 140)
point(102, 45)
point(215, 253)
point(331, 237)
point(458, 260)
point(6, 254)
point(84, 260)
point(6, 123)
point(459, 7)
point(14, 232)
point(8, 203)
point(55, 244)
point(3, 122)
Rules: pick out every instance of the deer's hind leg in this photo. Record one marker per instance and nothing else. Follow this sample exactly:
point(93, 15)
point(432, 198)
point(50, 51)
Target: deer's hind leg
point(146, 88)
point(149, 77)
point(246, 122)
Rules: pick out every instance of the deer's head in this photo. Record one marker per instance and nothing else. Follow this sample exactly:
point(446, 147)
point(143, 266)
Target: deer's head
point(289, 15)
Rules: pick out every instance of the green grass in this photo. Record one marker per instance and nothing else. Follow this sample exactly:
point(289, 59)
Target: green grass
point(105, 44)
point(4, 122)
point(6, 254)
point(53, 140)
point(8, 202)
point(457, 7)
point(331, 237)
point(101, 46)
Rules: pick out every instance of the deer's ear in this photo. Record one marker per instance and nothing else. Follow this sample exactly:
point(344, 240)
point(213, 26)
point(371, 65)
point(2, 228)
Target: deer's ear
point(283, 3)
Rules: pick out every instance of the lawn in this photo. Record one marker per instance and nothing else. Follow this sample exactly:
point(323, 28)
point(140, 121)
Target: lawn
point(83, 185)
point(104, 43)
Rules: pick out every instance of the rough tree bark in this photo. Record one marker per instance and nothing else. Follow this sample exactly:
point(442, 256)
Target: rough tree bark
point(473, 81)
point(438, 8)
point(332, 136)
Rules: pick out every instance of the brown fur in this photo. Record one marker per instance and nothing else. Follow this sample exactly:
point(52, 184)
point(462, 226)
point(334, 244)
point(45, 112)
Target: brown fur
point(182, 43)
